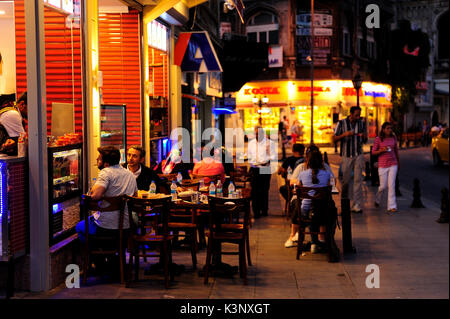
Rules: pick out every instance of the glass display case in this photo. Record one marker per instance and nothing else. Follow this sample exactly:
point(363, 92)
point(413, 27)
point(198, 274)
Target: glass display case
point(114, 127)
point(65, 189)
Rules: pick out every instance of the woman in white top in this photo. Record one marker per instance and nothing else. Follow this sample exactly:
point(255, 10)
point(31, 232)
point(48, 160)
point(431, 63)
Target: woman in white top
point(315, 175)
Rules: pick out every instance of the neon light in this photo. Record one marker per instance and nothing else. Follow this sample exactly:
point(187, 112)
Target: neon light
point(3, 189)
point(222, 110)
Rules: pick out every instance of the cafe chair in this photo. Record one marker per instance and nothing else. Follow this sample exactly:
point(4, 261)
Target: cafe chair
point(105, 244)
point(228, 223)
point(240, 176)
point(208, 178)
point(290, 193)
point(319, 210)
point(183, 218)
point(152, 215)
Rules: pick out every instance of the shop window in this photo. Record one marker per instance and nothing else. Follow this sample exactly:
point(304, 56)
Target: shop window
point(263, 37)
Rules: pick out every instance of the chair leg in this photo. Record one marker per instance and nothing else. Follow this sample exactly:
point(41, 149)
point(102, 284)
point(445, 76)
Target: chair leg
point(166, 264)
point(129, 269)
point(301, 237)
point(244, 264)
point(171, 269)
point(192, 234)
point(85, 268)
point(208, 260)
point(247, 243)
point(136, 263)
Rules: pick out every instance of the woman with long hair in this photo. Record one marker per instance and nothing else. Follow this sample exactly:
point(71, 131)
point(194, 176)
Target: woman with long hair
point(385, 147)
point(315, 175)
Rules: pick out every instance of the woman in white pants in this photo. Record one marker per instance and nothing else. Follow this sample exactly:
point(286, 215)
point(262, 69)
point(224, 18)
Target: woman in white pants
point(385, 146)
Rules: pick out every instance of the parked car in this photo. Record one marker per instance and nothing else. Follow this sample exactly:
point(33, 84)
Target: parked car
point(439, 148)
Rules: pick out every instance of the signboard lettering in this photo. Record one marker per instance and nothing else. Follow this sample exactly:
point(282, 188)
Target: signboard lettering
point(263, 90)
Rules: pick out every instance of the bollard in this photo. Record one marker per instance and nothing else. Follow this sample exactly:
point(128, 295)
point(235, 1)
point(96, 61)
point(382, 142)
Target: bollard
point(397, 187)
point(325, 158)
point(346, 227)
point(367, 170)
point(444, 206)
point(417, 202)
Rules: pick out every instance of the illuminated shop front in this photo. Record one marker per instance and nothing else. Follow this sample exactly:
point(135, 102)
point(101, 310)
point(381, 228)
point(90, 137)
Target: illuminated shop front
point(332, 102)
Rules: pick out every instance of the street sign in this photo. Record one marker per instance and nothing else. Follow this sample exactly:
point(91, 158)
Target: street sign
point(301, 31)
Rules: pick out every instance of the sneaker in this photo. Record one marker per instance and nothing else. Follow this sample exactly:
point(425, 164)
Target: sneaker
point(295, 238)
point(314, 249)
point(289, 243)
point(356, 209)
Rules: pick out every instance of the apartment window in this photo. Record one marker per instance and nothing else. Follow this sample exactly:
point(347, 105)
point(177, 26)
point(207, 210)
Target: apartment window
point(362, 47)
point(371, 49)
point(346, 48)
point(263, 27)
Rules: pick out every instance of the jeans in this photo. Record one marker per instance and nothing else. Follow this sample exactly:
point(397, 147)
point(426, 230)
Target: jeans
point(387, 180)
point(355, 164)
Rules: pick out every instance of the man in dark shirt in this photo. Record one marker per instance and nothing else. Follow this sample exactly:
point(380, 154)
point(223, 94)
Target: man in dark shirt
point(297, 158)
point(144, 175)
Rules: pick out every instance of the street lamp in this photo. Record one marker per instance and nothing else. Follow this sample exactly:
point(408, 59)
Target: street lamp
point(260, 102)
point(357, 82)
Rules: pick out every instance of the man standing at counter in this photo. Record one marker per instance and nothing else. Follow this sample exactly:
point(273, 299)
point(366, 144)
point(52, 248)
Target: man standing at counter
point(144, 175)
point(352, 132)
point(11, 123)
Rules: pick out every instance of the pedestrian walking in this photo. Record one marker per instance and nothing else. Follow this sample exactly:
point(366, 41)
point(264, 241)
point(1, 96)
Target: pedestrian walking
point(385, 147)
point(352, 132)
point(261, 153)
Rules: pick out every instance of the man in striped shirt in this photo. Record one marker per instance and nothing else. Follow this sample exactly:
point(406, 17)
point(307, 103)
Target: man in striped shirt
point(352, 132)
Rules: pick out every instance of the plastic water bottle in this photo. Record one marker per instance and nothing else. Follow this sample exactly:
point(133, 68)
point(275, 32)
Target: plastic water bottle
point(179, 178)
point(219, 189)
point(212, 189)
point(173, 191)
point(152, 189)
point(231, 190)
point(289, 172)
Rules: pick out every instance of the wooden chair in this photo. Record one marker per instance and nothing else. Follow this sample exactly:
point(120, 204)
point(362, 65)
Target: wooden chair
point(208, 178)
point(183, 217)
point(290, 189)
point(319, 206)
point(95, 244)
point(156, 213)
point(228, 223)
point(240, 176)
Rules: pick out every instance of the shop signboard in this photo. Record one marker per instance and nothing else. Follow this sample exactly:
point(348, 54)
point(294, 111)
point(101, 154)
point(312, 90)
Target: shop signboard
point(322, 49)
point(275, 56)
point(323, 32)
point(321, 19)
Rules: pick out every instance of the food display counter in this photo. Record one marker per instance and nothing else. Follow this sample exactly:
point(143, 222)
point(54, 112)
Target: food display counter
point(65, 188)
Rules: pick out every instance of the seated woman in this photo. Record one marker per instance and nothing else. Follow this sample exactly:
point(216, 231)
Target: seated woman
point(210, 165)
point(315, 175)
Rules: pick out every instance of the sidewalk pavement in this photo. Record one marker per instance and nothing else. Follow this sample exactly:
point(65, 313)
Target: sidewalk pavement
point(410, 248)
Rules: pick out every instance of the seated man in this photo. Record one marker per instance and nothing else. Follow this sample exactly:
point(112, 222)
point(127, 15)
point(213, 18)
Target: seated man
point(297, 158)
point(209, 166)
point(113, 180)
point(144, 175)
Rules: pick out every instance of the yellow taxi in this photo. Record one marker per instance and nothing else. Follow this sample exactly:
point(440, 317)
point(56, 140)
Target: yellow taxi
point(439, 148)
